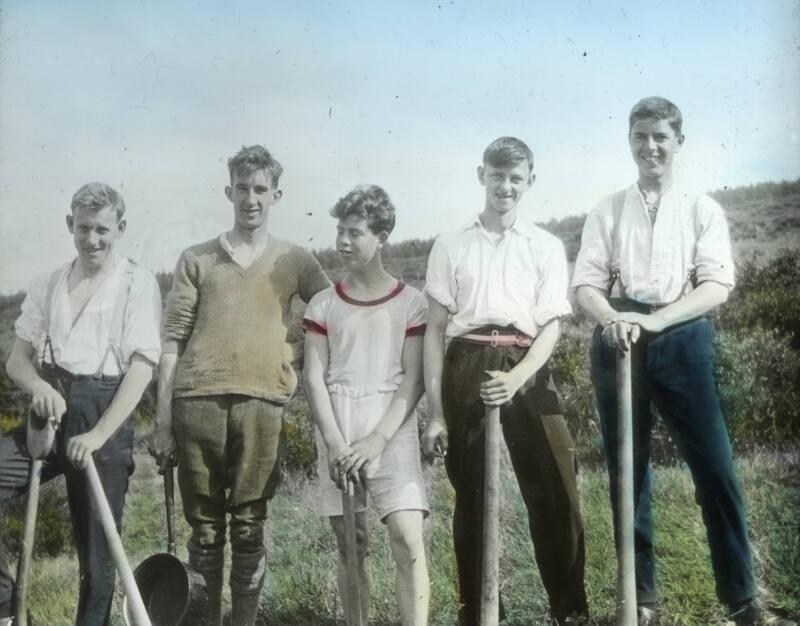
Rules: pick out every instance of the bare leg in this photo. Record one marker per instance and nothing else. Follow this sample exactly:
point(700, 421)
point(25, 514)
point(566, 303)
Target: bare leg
point(337, 523)
point(411, 585)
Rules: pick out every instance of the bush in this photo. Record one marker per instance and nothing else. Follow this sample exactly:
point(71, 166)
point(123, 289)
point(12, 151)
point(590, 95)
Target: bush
point(300, 453)
point(53, 522)
point(766, 297)
point(570, 368)
point(757, 375)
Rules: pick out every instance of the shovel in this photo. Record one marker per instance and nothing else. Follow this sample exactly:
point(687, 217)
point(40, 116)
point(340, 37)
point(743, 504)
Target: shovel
point(490, 580)
point(353, 586)
point(626, 578)
point(40, 436)
point(173, 592)
point(129, 587)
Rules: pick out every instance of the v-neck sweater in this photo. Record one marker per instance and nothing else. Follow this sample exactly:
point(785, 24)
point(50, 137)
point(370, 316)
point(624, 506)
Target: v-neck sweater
point(229, 323)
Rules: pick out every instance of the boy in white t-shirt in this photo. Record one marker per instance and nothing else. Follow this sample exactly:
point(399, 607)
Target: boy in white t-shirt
point(363, 378)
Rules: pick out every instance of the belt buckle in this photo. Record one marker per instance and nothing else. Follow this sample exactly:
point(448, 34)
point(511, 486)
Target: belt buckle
point(655, 307)
point(493, 342)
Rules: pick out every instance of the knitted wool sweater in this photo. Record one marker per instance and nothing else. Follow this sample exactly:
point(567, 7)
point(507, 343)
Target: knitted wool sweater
point(229, 324)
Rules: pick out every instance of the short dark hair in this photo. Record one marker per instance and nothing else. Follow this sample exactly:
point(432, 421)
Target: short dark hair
point(253, 158)
point(96, 197)
point(655, 107)
point(369, 202)
point(507, 152)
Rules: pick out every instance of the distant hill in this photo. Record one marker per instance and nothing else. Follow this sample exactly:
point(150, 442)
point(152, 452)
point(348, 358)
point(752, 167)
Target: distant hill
point(763, 219)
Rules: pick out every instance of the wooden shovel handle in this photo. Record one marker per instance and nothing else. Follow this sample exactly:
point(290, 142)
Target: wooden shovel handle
point(169, 505)
point(626, 577)
point(26, 550)
point(131, 590)
point(490, 581)
point(353, 616)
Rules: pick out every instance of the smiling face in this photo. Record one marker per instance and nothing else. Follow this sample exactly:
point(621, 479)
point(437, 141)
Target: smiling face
point(252, 196)
point(356, 244)
point(505, 186)
point(95, 233)
point(654, 145)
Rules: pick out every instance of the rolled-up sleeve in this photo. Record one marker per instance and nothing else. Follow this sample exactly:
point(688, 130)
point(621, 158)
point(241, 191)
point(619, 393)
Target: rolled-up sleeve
point(181, 307)
point(593, 265)
point(144, 319)
point(713, 257)
point(440, 279)
point(553, 283)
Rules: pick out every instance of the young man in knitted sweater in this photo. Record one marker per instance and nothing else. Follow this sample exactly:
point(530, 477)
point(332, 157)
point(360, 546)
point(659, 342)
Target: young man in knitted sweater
point(225, 377)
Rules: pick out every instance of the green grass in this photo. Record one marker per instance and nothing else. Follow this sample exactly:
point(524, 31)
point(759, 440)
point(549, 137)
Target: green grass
point(300, 587)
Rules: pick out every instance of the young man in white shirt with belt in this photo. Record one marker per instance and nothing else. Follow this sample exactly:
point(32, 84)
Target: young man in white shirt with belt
point(642, 250)
point(87, 341)
point(496, 289)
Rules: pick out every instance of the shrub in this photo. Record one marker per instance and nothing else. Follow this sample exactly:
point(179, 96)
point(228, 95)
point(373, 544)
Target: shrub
point(300, 453)
point(757, 374)
point(53, 522)
point(766, 297)
point(570, 367)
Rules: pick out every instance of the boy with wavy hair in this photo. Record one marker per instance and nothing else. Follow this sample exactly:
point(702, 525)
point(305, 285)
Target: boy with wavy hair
point(225, 377)
point(363, 376)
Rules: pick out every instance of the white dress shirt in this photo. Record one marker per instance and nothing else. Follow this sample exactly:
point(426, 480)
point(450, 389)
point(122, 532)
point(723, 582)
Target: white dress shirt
point(655, 260)
point(80, 347)
point(520, 280)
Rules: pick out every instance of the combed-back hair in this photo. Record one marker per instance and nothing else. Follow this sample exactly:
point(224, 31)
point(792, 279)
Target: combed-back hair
point(253, 158)
point(371, 203)
point(655, 107)
point(508, 152)
point(96, 197)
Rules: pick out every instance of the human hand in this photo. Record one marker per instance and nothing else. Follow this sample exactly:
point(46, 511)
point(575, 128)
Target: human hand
point(361, 453)
point(434, 438)
point(652, 323)
point(334, 453)
point(162, 447)
point(500, 387)
point(620, 334)
point(81, 447)
point(47, 402)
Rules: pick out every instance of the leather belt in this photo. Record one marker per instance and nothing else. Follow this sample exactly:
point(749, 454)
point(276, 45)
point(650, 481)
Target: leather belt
point(497, 339)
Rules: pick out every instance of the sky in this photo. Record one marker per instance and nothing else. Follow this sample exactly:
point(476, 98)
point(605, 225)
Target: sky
point(153, 97)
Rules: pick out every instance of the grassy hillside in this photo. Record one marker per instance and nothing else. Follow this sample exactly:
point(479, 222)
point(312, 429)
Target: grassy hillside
point(301, 591)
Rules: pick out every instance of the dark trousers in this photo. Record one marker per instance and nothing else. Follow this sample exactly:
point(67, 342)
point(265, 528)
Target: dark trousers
point(674, 370)
point(543, 457)
point(87, 398)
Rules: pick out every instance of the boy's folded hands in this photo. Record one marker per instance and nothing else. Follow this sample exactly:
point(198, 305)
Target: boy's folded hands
point(352, 461)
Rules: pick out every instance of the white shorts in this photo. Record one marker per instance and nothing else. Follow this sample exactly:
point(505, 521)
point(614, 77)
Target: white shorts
point(394, 479)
